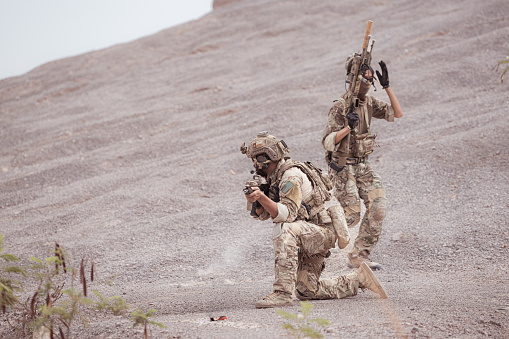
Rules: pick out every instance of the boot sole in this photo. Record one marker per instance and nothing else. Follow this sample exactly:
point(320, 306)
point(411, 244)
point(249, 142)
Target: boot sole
point(382, 293)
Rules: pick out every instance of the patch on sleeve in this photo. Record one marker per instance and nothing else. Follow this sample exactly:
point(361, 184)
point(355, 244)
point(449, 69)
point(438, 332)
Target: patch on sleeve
point(287, 186)
point(291, 191)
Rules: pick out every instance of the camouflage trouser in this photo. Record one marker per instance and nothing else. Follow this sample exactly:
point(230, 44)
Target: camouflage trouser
point(300, 249)
point(357, 182)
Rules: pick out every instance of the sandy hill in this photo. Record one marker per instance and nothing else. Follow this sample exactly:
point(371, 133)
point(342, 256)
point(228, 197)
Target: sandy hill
point(130, 156)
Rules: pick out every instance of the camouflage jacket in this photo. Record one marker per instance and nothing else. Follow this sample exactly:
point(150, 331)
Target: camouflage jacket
point(299, 195)
point(368, 109)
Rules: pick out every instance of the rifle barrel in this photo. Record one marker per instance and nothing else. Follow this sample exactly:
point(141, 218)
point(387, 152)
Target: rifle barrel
point(367, 34)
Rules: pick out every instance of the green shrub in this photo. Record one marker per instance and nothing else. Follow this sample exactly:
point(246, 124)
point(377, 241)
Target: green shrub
point(33, 297)
point(300, 326)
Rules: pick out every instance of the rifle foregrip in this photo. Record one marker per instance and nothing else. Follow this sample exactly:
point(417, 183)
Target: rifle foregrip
point(254, 206)
point(367, 34)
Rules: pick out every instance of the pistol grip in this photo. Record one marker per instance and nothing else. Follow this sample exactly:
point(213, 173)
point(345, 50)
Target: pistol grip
point(254, 206)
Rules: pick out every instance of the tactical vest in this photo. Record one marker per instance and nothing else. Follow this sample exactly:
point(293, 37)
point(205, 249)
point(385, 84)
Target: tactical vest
point(355, 145)
point(310, 208)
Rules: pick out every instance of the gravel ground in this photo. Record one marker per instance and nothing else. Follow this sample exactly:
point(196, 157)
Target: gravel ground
point(130, 157)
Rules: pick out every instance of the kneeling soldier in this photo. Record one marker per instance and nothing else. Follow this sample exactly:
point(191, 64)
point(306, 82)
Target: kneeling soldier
point(304, 230)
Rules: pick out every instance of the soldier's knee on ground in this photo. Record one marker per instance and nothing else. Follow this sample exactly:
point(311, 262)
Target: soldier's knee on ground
point(302, 293)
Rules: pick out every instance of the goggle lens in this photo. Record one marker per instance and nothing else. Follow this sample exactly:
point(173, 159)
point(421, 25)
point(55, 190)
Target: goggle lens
point(262, 158)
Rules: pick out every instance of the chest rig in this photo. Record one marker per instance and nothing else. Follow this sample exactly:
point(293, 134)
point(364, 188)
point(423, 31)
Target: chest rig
point(359, 143)
point(314, 204)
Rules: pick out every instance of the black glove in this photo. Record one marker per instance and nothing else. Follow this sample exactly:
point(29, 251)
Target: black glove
point(384, 77)
point(353, 118)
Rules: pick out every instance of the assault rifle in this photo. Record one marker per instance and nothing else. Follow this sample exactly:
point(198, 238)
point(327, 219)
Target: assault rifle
point(256, 181)
point(357, 65)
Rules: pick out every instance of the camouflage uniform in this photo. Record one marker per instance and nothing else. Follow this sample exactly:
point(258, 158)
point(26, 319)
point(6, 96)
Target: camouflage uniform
point(302, 240)
point(357, 180)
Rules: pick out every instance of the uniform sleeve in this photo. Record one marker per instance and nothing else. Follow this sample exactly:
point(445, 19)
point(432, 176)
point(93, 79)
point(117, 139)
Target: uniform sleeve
point(264, 216)
point(382, 110)
point(290, 193)
point(335, 123)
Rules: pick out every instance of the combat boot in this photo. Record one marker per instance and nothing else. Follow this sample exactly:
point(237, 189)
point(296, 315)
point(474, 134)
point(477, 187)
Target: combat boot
point(356, 259)
point(275, 299)
point(368, 280)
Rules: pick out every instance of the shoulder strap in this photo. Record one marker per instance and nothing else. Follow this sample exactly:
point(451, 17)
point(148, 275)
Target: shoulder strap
point(289, 163)
point(369, 102)
point(317, 178)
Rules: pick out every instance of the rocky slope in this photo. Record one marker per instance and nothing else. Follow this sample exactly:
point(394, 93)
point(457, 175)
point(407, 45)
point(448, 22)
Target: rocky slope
point(130, 156)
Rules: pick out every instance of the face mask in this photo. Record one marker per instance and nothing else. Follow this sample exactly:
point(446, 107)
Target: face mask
point(260, 172)
point(364, 89)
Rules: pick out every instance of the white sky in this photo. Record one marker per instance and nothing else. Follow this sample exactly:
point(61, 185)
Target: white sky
point(34, 32)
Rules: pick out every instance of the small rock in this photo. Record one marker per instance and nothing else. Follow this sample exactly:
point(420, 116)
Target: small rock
point(415, 330)
point(397, 236)
point(482, 332)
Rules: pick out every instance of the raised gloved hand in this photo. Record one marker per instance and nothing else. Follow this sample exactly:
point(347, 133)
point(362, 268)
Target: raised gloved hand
point(384, 77)
point(353, 118)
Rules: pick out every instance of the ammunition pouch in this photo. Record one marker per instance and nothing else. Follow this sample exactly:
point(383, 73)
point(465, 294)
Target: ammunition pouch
point(339, 224)
point(363, 145)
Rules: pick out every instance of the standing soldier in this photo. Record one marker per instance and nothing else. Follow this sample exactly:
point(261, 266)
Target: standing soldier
point(304, 230)
point(348, 141)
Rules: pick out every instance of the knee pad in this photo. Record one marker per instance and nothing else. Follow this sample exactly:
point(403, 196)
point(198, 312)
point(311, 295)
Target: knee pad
point(378, 209)
point(352, 214)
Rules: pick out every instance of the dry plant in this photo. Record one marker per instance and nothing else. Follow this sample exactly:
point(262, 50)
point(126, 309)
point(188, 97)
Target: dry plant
point(50, 307)
point(504, 71)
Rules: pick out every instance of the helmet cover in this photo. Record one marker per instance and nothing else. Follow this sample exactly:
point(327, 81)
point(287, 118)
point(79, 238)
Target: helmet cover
point(265, 144)
point(364, 68)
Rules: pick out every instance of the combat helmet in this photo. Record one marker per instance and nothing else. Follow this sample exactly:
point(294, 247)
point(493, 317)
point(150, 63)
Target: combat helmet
point(265, 148)
point(349, 63)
